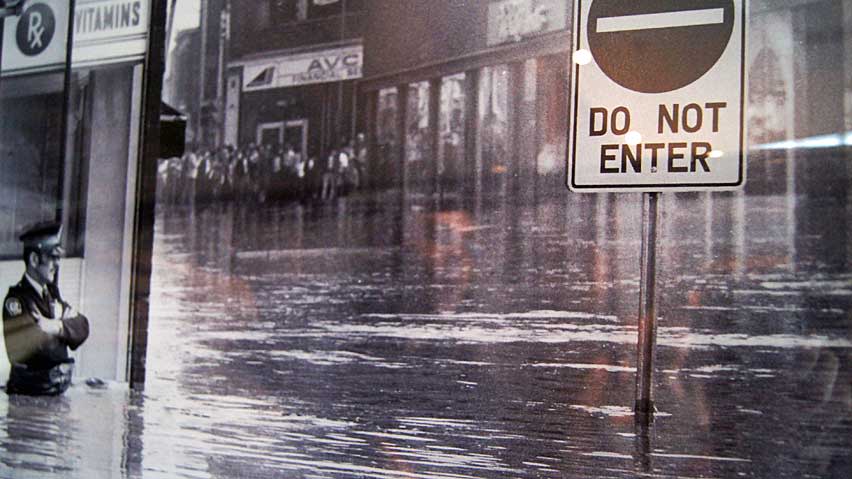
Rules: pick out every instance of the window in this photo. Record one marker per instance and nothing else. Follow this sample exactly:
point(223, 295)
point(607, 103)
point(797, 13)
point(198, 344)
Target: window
point(330, 8)
point(36, 184)
point(285, 11)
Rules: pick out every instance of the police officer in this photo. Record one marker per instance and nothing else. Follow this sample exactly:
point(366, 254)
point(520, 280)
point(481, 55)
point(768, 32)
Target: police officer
point(38, 325)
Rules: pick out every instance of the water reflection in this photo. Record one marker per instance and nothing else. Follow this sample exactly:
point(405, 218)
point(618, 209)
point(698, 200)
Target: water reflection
point(86, 433)
point(385, 338)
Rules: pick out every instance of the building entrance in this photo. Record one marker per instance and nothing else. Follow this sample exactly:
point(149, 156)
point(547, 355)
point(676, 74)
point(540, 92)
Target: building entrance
point(296, 134)
point(283, 133)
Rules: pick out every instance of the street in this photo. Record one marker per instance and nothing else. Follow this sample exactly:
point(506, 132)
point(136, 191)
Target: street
point(371, 338)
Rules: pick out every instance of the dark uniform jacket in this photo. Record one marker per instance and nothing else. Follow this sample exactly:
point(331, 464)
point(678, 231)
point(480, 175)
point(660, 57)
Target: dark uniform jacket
point(38, 357)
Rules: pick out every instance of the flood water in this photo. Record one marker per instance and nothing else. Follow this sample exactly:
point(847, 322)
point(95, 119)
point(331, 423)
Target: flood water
point(373, 338)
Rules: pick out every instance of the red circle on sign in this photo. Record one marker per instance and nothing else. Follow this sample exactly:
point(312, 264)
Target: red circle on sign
point(656, 46)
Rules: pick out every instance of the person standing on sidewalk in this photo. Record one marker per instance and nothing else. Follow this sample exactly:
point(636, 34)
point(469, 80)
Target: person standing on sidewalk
point(39, 327)
point(329, 176)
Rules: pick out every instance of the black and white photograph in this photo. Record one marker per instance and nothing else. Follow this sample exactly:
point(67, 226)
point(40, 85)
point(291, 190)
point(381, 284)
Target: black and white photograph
point(425, 239)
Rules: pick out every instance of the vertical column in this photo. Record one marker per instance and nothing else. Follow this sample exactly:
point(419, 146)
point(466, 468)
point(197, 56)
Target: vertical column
point(790, 206)
point(323, 131)
point(847, 64)
point(402, 135)
point(224, 32)
point(2, 24)
point(435, 132)
point(523, 117)
point(551, 119)
point(110, 140)
point(146, 187)
point(472, 136)
point(353, 114)
point(232, 110)
point(847, 69)
point(203, 107)
point(707, 198)
point(541, 119)
point(515, 119)
point(372, 135)
point(739, 220)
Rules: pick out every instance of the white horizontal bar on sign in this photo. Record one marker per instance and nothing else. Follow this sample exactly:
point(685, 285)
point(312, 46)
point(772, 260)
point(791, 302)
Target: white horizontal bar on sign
point(94, 53)
point(648, 21)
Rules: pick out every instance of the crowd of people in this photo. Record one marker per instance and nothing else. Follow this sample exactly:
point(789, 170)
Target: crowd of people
point(261, 173)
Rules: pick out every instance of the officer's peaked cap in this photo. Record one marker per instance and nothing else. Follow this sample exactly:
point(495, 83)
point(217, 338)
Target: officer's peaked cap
point(45, 237)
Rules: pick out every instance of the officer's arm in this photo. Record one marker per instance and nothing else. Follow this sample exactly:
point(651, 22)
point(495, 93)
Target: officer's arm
point(75, 327)
point(50, 327)
point(24, 337)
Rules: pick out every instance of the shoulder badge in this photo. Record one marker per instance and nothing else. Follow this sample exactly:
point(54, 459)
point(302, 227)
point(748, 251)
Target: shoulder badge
point(13, 307)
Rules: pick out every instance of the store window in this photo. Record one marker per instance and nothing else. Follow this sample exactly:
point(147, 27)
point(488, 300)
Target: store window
point(797, 101)
point(418, 147)
point(452, 132)
point(36, 183)
point(386, 135)
point(328, 8)
point(551, 122)
point(284, 11)
point(494, 124)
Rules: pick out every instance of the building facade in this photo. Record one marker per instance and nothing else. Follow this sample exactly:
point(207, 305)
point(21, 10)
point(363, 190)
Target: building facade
point(474, 100)
point(181, 85)
point(289, 71)
point(212, 58)
point(83, 151)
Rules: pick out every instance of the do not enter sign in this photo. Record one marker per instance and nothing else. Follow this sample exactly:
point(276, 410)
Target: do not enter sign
point(659, 46)
point(657, 95)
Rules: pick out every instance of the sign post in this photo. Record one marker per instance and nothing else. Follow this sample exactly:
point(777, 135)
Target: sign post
point(658, 99)
point(644, 403)
point(3, 16)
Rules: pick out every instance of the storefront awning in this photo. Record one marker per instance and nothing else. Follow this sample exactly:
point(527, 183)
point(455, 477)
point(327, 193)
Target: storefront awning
point(172, 131)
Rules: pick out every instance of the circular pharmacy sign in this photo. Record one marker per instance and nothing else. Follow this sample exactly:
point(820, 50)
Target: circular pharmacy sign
point(35, 29)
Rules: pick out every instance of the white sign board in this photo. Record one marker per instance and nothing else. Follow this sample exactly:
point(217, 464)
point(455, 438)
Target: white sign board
point(514, 20)
point(109, 31)
point(657, 96)
point(331, 65)
point(36, 40)
point(105, 31)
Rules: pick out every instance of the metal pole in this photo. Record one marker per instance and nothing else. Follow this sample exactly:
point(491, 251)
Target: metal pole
point(224, 16)
point(2, 24)
point(146, 187)
point(338, 117)
point(644, 405)
point(66, 108)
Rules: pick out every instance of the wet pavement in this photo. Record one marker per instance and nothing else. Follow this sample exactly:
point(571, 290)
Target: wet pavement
point(378, 339)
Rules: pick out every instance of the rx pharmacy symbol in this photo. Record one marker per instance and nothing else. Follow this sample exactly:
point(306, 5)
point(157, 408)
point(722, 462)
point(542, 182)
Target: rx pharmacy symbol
point(35, 29)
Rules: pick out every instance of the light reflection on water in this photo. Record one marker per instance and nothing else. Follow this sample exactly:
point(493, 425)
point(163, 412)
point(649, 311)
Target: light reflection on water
point(487, 343)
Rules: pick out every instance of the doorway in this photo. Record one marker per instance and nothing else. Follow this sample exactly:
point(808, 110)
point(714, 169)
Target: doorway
point(296, 134)
point(270, 133)
point(291, 132)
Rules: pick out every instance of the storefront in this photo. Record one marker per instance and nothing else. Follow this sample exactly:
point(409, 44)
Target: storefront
point(475, 111)
point(492, 77)
point(86, 171)
point(303, 98)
